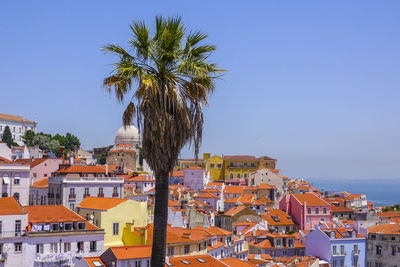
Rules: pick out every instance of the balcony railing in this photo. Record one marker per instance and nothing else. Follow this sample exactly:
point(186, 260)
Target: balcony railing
point(339, 254)
point(115, 195)
point(86, 195)
point(357, 252)
point(72, 196)
point(100, 195)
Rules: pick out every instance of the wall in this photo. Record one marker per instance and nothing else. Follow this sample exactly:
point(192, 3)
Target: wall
point(22, 188)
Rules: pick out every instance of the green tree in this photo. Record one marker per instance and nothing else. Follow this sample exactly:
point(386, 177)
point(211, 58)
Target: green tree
point(7, 137)
point(71, 142)
point(172, 80)
point(28, 138)
point(45, 143)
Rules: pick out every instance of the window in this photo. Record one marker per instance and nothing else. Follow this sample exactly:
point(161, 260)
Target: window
point(245, 175)
point(86, 190)
point(18, 247)
point(53, 247)
point(308, 220)
point(1, 228)
point(93, 245)
point(115, 190)
point(393, 250)
point(334, 261)
point(72, 206)
point(17, 178)
point(16, 196)
point(278, 242)
point(80, 246)
point(199, 246)
point(1, 248)
point(212, 165)
point(219, 165)
point(170, 251)
point(245, 164)
point(324, 210)
point(341, 262)
point(355, 249)
point(231, 176)
point(34, 175)
point(100, 190)
point(341, 249)
point(14, 130)
point(187, 249)
point(17, 227)
point(231, 164)
point(72, 191)
point(252, 164)
point(55, 227)
point(67, 247)
point(137, 263)
point(5, 179)
point(81, 226)
point(4, 195)
point(238, 176)
point(39, 248)
point(309, 210)
point(238, 164)
point(316, 210)
point(378, 250)
point(115, 228)
point(67, 226)
point(334, 251)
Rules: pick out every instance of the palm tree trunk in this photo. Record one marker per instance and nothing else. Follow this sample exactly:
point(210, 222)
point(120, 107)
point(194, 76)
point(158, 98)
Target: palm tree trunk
point(160, 221)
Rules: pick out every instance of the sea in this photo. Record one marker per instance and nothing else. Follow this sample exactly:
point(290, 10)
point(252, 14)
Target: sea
point(381, 192)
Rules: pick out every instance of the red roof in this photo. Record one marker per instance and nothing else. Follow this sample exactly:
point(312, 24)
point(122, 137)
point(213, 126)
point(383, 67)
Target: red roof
point(131, 252)
point(10, 206)
point(100, 203)
point(196, 261)
point(81, 169)
point(234, 210)
point(42, 183)
point(310, 199)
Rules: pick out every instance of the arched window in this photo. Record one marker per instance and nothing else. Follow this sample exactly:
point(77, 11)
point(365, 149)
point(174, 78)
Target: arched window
point(238, 164)
point(6, 179)
point(238, 175)
point(245, 175)
point(231, 176)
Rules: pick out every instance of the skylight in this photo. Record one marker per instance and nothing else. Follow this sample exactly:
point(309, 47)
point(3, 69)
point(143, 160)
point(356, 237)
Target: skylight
point(201, 260)
point(185, 262)
point(97, 263)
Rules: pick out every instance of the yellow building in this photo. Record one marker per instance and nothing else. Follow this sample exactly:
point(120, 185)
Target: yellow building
point(112, 214)
point(236, 166)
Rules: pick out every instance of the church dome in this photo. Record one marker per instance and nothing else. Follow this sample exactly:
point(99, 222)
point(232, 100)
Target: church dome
point(127, 135)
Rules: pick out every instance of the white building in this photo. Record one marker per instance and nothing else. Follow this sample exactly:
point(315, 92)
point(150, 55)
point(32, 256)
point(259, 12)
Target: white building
point(5, 151)
point(195, 178)
point(45, 235)
point(71, 184)
point(18, 126)
point(15, 181)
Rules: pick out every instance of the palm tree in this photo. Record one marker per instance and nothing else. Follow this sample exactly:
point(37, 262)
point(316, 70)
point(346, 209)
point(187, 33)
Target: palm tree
point(171, 79)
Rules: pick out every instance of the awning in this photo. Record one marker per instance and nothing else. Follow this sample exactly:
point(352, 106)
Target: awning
point(6, 180)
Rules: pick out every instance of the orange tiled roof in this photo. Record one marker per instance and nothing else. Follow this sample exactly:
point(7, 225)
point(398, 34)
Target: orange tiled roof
point(385, 229)
point(194, 168)
point(341, 232)
point(233, 189)
point(206, 195)
point(206, 261)
point(124, 145)
point(234, 210)
point(311, 199)
point(10, 206)
point(177, 173)
point(235, 262)
point(217, 245)
point(82, 169)
point(214, 230)
point(4, 160)
point(277, 217)
point(52, 214)
point(90, 260)
point(389, 214)
point(131, 252)
point(14, 118)
point(240, 157)
point(42, 183)
point(100, 203)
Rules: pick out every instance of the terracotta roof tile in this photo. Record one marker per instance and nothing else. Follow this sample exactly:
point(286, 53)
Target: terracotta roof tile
point(311, 199)
point(240, 157)
point(206, 261)
point(42, 183)
point(15, 118)
point(100, 203)
point(10, 206)
point(82, 169)
point(90, 261)
point(4, 160)
point(235, 262)
point(131, 252)
point(386, 229)
point(234, 210)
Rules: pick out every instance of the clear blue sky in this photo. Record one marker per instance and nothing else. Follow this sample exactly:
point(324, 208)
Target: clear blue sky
point(314, 84)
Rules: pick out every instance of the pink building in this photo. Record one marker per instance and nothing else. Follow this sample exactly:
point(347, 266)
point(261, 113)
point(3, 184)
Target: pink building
point(307, 209)
point(41, 168)
point(195, 178)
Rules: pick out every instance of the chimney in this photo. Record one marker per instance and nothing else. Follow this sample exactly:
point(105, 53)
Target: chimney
point(106, 165)
point(71, 160)
point(62, 149)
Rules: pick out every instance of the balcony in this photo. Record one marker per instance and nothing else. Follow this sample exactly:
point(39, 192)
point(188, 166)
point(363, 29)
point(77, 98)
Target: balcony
point(100, 195)
point(50, 195)
point(72, 196)
point(86, 195)
point(340, 254)
point(115, 195)
point(356, 253)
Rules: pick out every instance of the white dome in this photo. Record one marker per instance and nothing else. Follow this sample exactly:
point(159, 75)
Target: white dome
point(127, 135)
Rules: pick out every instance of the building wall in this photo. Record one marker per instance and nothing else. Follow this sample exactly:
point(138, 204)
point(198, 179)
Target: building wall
point(44, 169)
point(386, 242)
point(5, 151)
point(22, 189)
point(17, 129)
point(216, 172)
point(194, 178)
point(38, 196)
point(62, 186)
point(318, 245)
point(124, 159)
